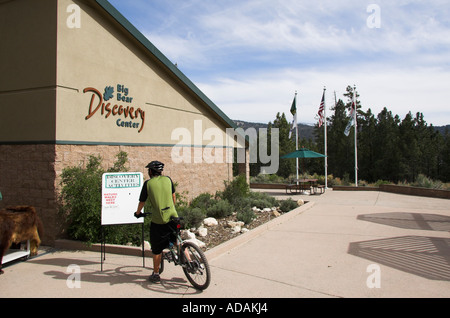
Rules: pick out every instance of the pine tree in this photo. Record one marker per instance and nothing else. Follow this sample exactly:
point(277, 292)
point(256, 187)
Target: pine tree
point(287, 166)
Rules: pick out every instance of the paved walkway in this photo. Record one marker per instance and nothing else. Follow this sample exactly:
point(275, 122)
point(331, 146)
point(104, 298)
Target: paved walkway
point(340, 244)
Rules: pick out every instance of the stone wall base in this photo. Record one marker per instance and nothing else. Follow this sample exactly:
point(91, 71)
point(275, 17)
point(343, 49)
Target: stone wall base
point(31, 174)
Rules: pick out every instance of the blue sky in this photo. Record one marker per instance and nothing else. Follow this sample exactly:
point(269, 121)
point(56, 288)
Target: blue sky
point(251, 56)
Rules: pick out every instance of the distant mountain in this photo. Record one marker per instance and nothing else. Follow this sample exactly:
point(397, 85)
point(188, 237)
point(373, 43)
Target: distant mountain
point(307, 131)
point(304, 131)
point(442, 129)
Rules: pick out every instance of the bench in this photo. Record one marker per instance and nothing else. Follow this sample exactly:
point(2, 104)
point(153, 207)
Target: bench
point(296, 188)
point(319, 189)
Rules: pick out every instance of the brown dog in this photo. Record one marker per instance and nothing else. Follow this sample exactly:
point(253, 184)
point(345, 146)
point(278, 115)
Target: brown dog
point(18, 224)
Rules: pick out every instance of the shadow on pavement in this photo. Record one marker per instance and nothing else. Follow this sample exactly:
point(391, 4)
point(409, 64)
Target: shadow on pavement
point(120, 275)
point(427, 257)
point(405, 220)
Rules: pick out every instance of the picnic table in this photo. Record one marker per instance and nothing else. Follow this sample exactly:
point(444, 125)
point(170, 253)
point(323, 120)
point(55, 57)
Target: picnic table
point(302, 185)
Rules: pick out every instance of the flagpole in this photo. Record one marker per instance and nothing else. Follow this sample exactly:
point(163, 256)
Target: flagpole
point(325, 136)
point(296, 135)
point(356, 139)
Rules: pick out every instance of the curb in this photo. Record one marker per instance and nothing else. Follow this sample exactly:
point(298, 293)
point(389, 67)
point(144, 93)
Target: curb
point(243, 238)
point(210, 254)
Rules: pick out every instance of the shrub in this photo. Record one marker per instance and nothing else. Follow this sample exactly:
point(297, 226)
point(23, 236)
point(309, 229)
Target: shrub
point(262, 200)
point(288, 205)
point(236, 190)
point(380, 182)
point(192, 217)
point(80, 203)
point(424, 182)
point(246, 216)
point(203, 201)
point(220, 209)
point(181, 200)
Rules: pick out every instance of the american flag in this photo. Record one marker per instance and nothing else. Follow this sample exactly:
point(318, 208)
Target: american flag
point(321, 109)
point(352, 111)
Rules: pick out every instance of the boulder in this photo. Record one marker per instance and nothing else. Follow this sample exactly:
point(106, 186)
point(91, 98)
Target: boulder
point(233, 224)
point(210, 222)
point(146, 245)
point(202, 231)
point(187, 235)
point(236, 229)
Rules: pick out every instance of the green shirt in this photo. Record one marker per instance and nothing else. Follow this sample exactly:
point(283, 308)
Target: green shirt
point(159, 190)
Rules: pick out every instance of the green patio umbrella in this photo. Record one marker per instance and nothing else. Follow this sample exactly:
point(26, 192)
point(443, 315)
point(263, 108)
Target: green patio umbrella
point(303, 153)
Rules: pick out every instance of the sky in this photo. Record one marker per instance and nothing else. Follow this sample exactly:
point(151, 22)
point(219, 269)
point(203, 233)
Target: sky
point(250, 57)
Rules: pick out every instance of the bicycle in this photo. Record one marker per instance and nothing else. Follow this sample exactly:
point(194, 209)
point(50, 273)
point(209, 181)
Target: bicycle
point(188, 255)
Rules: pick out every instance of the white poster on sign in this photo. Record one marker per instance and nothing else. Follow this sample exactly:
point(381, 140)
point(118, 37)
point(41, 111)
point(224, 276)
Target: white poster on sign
point(120, 197)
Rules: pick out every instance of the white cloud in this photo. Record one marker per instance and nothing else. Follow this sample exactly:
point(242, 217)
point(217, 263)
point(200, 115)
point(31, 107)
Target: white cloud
point(259, 98)
point(250, 56)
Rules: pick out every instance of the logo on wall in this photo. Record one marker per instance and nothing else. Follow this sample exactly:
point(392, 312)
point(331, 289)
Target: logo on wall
point(107, 105)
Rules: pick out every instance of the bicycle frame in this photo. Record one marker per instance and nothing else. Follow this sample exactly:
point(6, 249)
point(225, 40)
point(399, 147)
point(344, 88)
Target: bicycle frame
point(188, 255)
point(175, 249)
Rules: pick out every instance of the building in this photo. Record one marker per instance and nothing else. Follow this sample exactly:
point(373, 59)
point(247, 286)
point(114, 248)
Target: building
point(78, 79)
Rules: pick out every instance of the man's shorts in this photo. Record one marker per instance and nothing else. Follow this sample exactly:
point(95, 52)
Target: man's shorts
point(161, 235)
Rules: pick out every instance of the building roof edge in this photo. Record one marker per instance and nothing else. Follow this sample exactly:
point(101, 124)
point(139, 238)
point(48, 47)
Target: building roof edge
point(116, 15)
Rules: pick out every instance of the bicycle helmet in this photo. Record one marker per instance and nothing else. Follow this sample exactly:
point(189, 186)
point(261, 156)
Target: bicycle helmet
point(156, 166)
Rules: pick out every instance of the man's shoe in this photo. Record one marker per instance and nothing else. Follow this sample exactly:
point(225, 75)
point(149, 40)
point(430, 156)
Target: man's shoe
point(154, 278)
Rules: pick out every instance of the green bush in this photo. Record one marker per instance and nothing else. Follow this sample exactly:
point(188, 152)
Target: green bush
point(203, 201)
point(220, 209)
point(246, 216)
point(262, 200)
point(236, 190)
point(192, 217)
point(380, 182)
point(81, 202)
point(424, 182)
point(288, 205)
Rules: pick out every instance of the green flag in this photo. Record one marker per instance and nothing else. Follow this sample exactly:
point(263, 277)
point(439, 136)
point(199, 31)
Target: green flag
point(294, 113)
point(294, 107)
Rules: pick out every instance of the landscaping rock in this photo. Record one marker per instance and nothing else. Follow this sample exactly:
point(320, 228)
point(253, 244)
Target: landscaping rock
point(187, 235)
point(236, 229)
point(235, 223)
point(275, 213)
point(210, 222)
point(202, 231)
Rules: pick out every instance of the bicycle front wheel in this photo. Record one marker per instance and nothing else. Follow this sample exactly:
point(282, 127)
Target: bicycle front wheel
point(196, 266)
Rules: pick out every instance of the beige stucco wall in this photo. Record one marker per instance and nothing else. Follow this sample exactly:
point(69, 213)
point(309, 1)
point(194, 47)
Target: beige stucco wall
point(43, 108)
point(27, 70)
point(100, 54)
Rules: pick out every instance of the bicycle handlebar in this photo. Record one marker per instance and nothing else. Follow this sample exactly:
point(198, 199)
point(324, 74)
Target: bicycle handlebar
point(142, 215)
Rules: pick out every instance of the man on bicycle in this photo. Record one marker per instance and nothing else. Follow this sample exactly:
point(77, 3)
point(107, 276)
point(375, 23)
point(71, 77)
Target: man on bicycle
point(160, 192)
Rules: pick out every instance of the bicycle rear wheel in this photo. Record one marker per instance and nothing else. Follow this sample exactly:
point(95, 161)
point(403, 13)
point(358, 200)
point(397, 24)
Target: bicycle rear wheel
point(197, 269)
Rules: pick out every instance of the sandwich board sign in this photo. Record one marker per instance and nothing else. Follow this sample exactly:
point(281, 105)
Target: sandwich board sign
point(120, 197)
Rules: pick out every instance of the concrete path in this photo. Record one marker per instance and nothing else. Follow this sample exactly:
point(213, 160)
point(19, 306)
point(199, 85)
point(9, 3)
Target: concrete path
point(340, 244)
